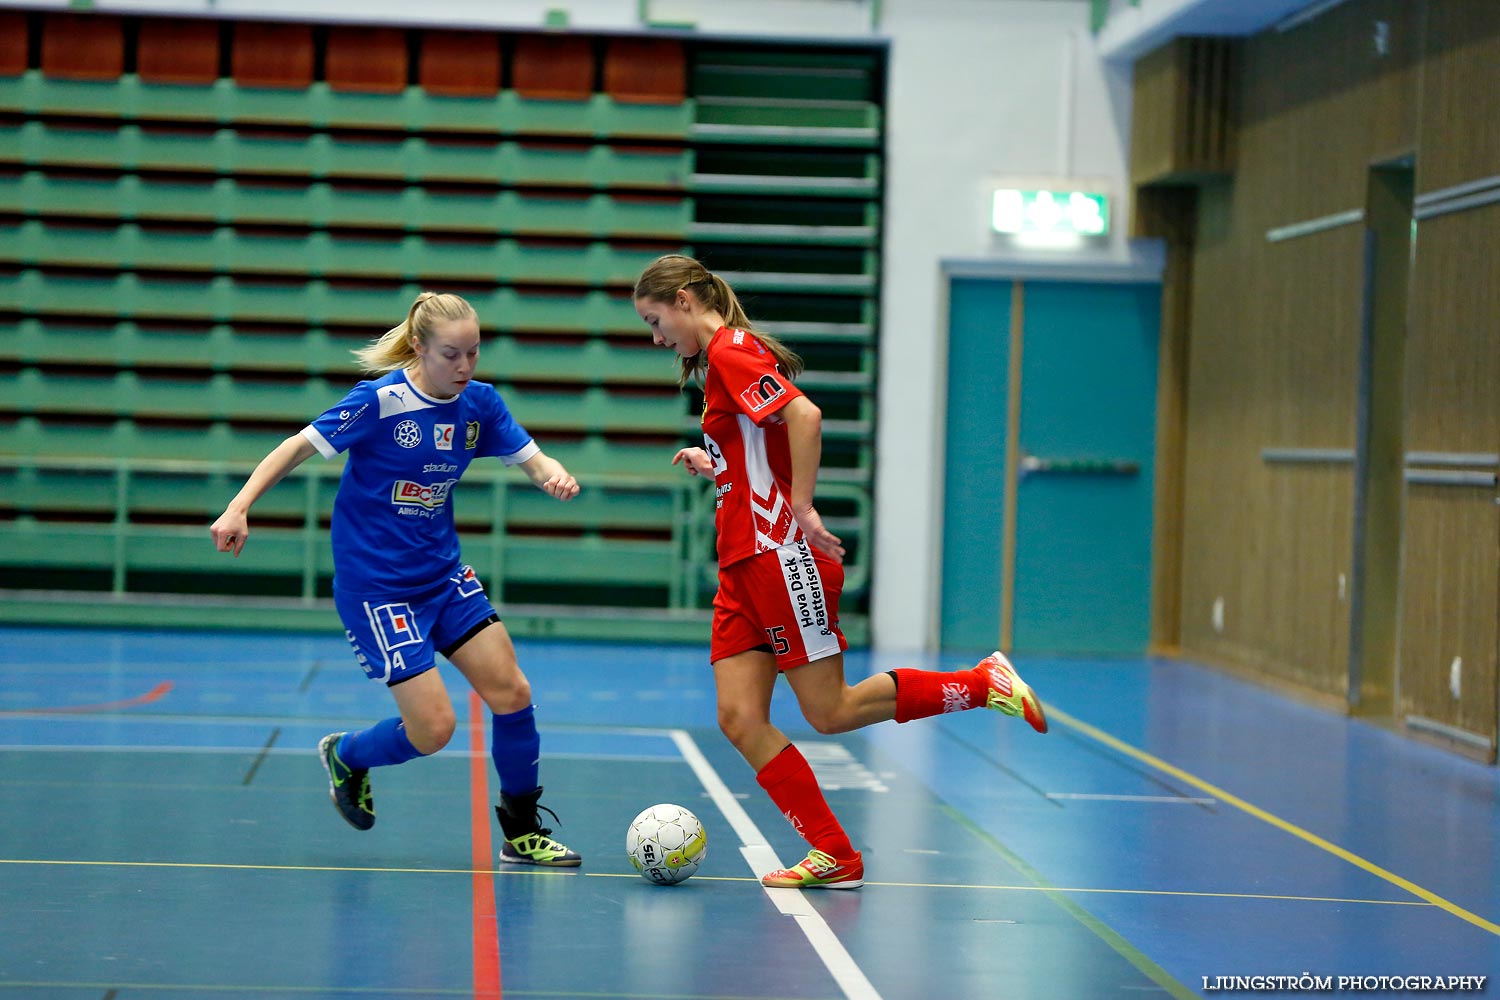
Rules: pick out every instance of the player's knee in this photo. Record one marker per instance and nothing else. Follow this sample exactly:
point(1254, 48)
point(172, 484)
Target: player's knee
point(829, 721)
point(432, 730)
point(511, 696)
point(737, 725)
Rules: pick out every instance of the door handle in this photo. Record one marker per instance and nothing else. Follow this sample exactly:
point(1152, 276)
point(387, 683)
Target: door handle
point(1031, 464)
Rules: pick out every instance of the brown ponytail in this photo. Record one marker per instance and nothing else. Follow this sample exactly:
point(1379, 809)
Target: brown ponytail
point(662, 280)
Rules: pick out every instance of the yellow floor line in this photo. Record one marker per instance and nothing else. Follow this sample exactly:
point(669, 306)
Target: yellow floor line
point(1273, 820)
point(701, 878)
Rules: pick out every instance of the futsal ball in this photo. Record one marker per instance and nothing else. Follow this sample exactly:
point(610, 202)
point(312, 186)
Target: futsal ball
point(666, 844)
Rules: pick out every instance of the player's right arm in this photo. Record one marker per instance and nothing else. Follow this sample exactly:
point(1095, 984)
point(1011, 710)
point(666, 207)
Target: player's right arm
point(804, 432)
point(695, 461)
point(233, 526)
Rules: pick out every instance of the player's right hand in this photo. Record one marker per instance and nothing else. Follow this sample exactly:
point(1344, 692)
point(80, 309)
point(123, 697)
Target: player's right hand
point(229, 532)
point(817, 533)
point(696, 461)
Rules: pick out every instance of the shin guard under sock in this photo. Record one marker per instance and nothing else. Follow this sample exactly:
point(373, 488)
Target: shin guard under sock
point(920, 693)
point(790, 782)
point(382, 744)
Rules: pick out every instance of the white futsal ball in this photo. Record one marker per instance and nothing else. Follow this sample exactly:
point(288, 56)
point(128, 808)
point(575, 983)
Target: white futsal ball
point(666, 844)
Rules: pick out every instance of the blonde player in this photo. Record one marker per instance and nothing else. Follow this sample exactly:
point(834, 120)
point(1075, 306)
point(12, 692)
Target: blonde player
point(400, 585)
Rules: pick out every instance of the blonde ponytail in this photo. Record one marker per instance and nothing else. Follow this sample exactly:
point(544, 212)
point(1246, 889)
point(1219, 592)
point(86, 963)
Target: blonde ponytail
point(394, 349)
point(665, 276)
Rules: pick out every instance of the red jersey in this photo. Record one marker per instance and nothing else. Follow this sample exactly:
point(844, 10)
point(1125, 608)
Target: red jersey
point(752, 458)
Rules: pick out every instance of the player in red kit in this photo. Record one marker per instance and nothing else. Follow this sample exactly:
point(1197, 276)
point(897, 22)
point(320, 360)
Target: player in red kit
point(781, 569)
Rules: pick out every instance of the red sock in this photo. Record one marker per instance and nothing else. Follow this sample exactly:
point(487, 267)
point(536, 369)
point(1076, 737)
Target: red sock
point(789, 780)
point(920, 693)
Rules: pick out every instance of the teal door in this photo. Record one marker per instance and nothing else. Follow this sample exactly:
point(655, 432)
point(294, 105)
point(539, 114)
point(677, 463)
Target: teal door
point(1050, 436)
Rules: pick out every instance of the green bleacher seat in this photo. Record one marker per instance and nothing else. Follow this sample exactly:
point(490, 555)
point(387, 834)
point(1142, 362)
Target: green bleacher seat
point(314, 350)
point(225, 299)
point(321, 204)
point(223, 102)
point(185, 267)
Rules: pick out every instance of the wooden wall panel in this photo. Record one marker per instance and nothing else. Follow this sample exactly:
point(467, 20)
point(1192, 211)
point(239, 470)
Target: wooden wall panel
point(1272, 364)
point(1453, 344)
point(1449, 598)
point(1155, 97)
point(1460, 86)
point(1182, 128)
point(1171, 425)
point(1319, 104)
point(1274, 344)
point(1451, 553)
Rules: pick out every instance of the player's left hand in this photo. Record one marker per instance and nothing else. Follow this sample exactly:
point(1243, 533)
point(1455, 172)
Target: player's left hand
point(818, 535)
point(229, 532)
point(562, 486)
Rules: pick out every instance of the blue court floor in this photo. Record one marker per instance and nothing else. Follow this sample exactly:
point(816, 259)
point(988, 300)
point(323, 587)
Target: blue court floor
point(165, 832)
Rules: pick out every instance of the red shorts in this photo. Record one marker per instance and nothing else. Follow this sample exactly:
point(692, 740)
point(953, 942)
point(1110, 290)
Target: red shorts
point(785, 600)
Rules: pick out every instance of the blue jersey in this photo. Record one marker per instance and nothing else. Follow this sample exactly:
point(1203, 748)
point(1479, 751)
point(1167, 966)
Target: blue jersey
point(393, 529)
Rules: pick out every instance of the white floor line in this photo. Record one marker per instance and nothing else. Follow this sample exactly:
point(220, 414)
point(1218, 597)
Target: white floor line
point(445, 754)
point(759, 856)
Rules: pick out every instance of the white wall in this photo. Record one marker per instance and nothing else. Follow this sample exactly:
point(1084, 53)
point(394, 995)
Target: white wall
point(800, 18)
point(980, 91)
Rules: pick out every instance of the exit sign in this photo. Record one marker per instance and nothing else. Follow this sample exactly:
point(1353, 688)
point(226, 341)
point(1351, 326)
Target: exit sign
point(1054, 213)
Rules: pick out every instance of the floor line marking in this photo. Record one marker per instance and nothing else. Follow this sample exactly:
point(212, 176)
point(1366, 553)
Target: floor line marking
point(1268, 817)
point(1137, 958)
point(537, 873)
point(204, 989)
point(447, 753)
point(106, 706)
point(759, 856)
point(311, 721)
point(1176, 800)
point(260, 758)
point(482, 882)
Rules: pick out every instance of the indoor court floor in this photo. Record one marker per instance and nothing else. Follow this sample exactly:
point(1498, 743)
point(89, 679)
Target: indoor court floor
point(167, 834)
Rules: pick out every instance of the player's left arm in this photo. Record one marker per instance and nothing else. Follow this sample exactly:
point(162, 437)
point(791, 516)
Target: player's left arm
point(804, 431)
point(548, 475)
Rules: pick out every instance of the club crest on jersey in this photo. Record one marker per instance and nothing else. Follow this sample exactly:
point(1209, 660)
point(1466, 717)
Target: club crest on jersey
point(442, 436)
point(763, 393)
point(408, 434)
point(471, 435)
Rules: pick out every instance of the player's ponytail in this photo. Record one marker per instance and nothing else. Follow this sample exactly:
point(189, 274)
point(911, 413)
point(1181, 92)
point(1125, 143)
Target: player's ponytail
point(394, 349)
point(661, 281)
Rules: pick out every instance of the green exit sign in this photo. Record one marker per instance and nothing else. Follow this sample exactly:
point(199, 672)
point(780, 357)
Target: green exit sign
point(1050, 213)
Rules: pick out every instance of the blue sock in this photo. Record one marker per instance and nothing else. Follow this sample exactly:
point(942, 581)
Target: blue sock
point(517, 750)
point(383, 743)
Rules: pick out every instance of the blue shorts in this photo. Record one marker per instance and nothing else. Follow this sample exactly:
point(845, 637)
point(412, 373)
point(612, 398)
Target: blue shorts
point(397, 637)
